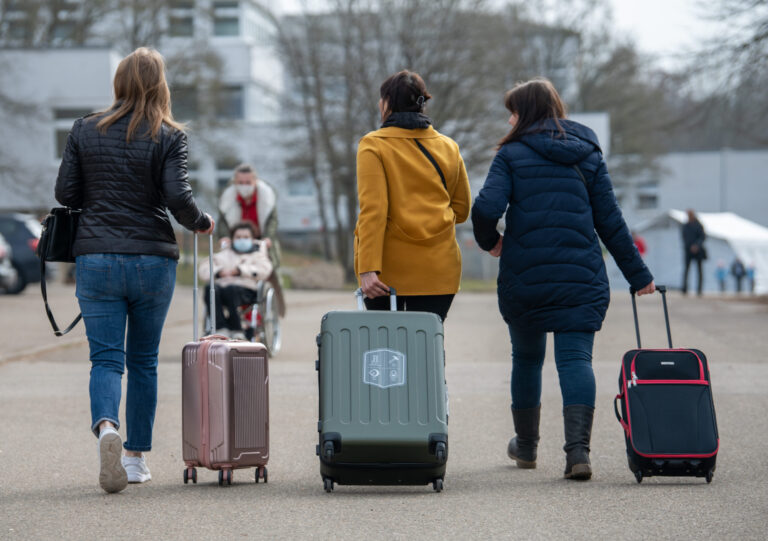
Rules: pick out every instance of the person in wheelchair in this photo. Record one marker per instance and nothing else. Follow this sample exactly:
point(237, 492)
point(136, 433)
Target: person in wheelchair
point(238, 272)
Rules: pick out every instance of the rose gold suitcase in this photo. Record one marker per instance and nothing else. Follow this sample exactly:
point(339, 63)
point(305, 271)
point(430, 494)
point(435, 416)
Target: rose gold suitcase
point(225, 402)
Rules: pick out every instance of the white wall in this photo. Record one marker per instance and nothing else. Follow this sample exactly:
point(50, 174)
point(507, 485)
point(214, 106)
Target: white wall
point(717, 181)
point(48, 80)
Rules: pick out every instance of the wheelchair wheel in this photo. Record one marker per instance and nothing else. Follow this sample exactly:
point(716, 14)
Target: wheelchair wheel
point(271, 322)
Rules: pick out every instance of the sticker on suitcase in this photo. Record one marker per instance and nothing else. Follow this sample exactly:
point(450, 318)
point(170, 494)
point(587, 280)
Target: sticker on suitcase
point(384, 368)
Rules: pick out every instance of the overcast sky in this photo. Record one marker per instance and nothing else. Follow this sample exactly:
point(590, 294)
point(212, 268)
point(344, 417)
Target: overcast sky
point(663, 27)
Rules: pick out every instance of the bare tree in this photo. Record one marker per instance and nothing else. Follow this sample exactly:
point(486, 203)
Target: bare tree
point(468, 55)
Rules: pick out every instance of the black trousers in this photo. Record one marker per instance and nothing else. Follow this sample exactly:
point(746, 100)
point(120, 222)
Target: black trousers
point(700, 283)
point(437, 304)
point(228, 299)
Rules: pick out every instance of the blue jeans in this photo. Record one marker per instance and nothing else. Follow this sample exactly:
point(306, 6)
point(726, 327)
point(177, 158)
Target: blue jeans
point(573, 358)
point(114, 290)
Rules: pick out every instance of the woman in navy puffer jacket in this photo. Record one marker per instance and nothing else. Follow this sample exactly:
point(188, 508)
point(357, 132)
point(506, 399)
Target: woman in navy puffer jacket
point(550, 178)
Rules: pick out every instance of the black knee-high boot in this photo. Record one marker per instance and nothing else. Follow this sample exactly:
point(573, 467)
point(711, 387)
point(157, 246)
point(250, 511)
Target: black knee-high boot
point(578, 432)
point(522, 448)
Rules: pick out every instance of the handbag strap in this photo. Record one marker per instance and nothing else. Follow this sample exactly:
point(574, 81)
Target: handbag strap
point(48, 312)
point(434, 163)
point(581, 176)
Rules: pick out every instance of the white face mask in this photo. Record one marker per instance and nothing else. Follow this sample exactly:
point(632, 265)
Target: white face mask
point(245, 190)
point(242, 245)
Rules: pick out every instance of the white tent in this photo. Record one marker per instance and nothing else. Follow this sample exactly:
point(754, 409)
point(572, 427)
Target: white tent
point(728, 236)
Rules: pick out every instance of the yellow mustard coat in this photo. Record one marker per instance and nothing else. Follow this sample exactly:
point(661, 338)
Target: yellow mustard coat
point(406, 226)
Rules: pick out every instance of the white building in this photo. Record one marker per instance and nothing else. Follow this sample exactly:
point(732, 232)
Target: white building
point(60, 84)
point(715, 181)
point(50, 99)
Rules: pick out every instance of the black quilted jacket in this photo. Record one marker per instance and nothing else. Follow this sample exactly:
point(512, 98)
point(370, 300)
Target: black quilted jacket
point(124, 189)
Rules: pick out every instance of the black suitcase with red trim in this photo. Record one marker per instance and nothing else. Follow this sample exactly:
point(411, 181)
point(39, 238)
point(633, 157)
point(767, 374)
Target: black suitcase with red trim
point(666, 410)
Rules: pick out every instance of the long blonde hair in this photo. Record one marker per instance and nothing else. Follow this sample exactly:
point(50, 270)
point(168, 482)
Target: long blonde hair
point(140, 86)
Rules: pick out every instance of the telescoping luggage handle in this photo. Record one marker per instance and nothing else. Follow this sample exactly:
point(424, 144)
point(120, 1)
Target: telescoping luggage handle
point(392, 299)
point(663, 291)
point(211, 292)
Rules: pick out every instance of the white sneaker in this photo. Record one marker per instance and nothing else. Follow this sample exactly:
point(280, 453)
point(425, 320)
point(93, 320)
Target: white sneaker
point(223, 331)
point(238, 335)
point(136, 468)
point(112, 476)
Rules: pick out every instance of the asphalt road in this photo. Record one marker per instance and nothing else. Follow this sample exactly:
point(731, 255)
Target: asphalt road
point(48, 465)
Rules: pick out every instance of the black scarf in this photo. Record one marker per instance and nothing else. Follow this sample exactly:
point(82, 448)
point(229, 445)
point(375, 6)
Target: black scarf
point(409, 121)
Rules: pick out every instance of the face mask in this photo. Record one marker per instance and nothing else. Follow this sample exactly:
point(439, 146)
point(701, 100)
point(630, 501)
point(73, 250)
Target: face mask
point(245, 190)
point(242, 245)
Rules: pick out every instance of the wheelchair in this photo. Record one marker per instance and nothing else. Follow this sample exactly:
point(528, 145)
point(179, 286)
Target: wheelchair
point(260, 320)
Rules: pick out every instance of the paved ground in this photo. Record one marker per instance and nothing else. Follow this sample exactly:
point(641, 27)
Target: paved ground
point(48, 478)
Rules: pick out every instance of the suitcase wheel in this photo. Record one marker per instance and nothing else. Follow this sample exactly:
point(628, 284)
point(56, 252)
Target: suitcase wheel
point(709, 475)
point(639, 476)
point(328, 484)
point(190, 474)
point(225, 477)
point(437, 484)
point(261, 473)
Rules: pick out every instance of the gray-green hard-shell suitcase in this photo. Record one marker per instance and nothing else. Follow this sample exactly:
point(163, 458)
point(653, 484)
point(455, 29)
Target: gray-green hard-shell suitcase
point(383, 401)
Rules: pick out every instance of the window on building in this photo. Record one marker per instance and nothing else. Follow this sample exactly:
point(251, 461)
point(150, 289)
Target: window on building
point(70, 114)
point(231, 102)
point(227, 163)
point(182, 4)
point(300, 183)
point(647, 201)
point(61, 141)
point(18, 30)
point(226, 19)
point(222, 182)
point(62, 123)
point(181, 26)
point(64, 30)
point(184, 103)
point(226, 26)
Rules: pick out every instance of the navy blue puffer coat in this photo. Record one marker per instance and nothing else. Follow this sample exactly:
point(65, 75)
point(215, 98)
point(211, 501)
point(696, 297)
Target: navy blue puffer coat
point(551, 274)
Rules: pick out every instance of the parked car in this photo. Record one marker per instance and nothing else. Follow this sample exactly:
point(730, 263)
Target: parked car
point(8, 274)
point(22, 232)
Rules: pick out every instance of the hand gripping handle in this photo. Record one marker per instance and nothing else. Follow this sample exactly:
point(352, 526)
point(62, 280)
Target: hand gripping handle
point(663, 291)
point(392, 299)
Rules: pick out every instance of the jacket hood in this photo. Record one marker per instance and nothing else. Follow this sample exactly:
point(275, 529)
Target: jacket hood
point(568, 148)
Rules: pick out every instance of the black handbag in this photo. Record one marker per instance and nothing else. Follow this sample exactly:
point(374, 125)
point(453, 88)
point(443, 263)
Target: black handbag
point(56, 242)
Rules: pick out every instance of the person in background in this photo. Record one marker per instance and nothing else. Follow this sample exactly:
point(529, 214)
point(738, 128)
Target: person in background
point(237, 271)
point(751, 277)
point(721, 273)
point(250, 199)
point(693, 245)
point(413, 190)
point(124, 167)
point(550, 180)
point(739, 272)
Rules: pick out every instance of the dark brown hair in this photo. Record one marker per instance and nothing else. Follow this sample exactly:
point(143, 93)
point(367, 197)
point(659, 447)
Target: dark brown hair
point(243, 168)
point(140, 87)
point(250, 226)
point(532, 101)
point(401, 92)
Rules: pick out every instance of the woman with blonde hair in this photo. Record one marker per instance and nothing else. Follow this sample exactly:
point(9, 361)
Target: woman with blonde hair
point(124, 167)
point(550, 179)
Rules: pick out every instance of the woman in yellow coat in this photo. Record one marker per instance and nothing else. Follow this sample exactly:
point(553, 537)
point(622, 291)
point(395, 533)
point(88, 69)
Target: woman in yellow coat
point(413, 190)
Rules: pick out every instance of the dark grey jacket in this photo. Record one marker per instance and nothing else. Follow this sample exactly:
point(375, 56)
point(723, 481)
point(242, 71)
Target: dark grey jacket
point(125, 188)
